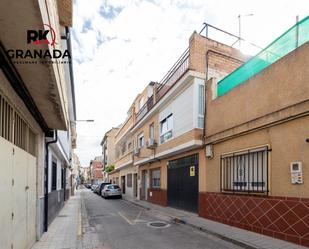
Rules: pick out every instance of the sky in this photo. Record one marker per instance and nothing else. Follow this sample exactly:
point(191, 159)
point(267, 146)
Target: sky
point(119, 46)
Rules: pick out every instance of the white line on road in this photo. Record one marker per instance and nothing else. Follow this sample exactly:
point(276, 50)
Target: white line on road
point(126, 219)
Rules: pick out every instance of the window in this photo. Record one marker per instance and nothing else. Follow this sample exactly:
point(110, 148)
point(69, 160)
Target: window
point(155, 178)
point(245, 171)
point(151, 131)
point(129, 180)
point(129, 146)
point(201, 106)
point(54, 175)
point(62, 178)
point(140, 141)
point(166, 127)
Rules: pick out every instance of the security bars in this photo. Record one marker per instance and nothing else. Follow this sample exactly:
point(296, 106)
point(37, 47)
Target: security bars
point(245, 172)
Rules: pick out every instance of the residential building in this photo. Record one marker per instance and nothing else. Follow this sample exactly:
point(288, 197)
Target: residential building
point(108, 150)
point(75, 173)
point(159, 155)
point(124, 168)
point(169, 128)
point(36, 117)
point(96, 170)
point(256, 174)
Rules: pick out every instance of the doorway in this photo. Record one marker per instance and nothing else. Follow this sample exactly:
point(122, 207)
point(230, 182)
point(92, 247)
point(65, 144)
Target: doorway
point(182, 183)
point(135, 185)
point(123, 184)
point(144, 185)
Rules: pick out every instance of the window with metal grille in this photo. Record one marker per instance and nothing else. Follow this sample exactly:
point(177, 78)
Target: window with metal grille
point(54, 175)
point(20, 132)
point(155, 178)
point(31, 143)
point(15, 129)
point(245, 171)
point(6, 120)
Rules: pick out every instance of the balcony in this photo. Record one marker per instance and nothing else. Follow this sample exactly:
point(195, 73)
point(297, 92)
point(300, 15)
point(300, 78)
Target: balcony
point(168, 81)
point(145, 108)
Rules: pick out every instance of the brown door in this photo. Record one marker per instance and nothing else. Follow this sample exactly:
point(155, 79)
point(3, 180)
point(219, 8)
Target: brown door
point(123, 184)
point(144, 185)
point(135, 185)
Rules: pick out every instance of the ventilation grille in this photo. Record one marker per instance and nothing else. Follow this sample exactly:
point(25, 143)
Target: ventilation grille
point(15, 129)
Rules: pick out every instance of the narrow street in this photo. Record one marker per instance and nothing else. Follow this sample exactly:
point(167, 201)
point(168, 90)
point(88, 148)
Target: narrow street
point(118, 224)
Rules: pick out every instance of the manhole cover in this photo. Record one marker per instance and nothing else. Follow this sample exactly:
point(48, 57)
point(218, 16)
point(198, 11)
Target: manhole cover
point(157, 224)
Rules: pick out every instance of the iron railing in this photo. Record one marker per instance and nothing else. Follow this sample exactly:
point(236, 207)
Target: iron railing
point(177, 70)
point(145, 108)
point(245, 172)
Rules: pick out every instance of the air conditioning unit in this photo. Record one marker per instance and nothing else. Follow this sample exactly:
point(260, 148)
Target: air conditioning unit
point(136, 151)
point(151, 143)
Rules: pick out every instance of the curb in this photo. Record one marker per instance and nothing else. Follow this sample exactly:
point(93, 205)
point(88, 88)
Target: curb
point(184, 222)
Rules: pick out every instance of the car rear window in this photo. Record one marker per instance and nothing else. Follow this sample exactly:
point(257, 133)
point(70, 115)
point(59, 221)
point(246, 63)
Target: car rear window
point(113, 187)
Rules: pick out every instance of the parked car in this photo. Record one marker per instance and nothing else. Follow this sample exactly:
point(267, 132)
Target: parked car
point(93, 186)
point(87, 185)
point(101, 186)
point(111, 190)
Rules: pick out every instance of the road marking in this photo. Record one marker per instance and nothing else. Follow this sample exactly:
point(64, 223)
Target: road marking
point(126, 219)
point(139, 214)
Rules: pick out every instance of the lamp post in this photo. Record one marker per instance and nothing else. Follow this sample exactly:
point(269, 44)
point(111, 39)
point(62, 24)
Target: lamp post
point(84, 120)
point(239, 26)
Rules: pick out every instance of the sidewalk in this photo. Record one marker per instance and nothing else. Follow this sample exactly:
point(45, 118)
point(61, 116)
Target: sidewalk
point(65, 231)
point(235, 235)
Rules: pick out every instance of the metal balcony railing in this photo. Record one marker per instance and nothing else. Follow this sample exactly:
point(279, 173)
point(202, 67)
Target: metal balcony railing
point(177, 70)
point(145, 108)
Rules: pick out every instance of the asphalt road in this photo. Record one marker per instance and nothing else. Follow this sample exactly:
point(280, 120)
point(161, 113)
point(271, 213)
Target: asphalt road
point(118, 224)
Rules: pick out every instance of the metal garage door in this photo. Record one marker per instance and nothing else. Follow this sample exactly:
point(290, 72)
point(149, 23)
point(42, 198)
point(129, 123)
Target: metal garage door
point(182, 183)
point(18, 189)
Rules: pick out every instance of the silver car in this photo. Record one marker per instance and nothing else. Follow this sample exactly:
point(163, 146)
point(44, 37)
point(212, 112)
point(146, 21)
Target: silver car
point(111, 190)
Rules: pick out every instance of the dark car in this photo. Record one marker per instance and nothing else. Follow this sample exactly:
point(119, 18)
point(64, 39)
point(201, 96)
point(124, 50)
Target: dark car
point(100, 187)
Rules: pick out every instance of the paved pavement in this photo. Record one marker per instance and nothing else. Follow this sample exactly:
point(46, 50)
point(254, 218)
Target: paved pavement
point(88, 221)
point(65, 231)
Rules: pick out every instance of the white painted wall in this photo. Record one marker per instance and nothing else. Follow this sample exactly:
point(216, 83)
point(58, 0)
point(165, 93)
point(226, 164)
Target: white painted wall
point(184, 108)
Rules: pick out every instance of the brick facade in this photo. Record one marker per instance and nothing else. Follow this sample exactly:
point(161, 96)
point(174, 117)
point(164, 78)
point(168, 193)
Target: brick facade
point(283, 218)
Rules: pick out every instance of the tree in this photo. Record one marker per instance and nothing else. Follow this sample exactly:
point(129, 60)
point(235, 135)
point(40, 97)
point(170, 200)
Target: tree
point(109, 168)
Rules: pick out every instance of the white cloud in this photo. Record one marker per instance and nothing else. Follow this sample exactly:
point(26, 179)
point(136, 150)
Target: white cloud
point(119, 53)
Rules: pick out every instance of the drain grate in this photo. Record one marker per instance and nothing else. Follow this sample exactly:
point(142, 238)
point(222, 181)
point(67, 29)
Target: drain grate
point(157, 224)
point(61, 215)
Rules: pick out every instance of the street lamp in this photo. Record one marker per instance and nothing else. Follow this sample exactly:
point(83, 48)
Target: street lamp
point(239, 27)
point(84, 120)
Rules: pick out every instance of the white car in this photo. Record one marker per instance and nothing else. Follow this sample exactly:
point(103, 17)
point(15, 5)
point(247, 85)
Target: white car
point(111, 190)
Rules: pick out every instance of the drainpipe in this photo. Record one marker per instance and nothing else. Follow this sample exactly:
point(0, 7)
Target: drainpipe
point(46, 180)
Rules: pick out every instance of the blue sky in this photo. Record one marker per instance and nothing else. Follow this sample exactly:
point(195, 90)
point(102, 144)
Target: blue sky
point(121, 45)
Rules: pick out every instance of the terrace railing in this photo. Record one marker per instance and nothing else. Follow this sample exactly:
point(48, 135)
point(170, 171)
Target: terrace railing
point(177, 70)
point(144, 109)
